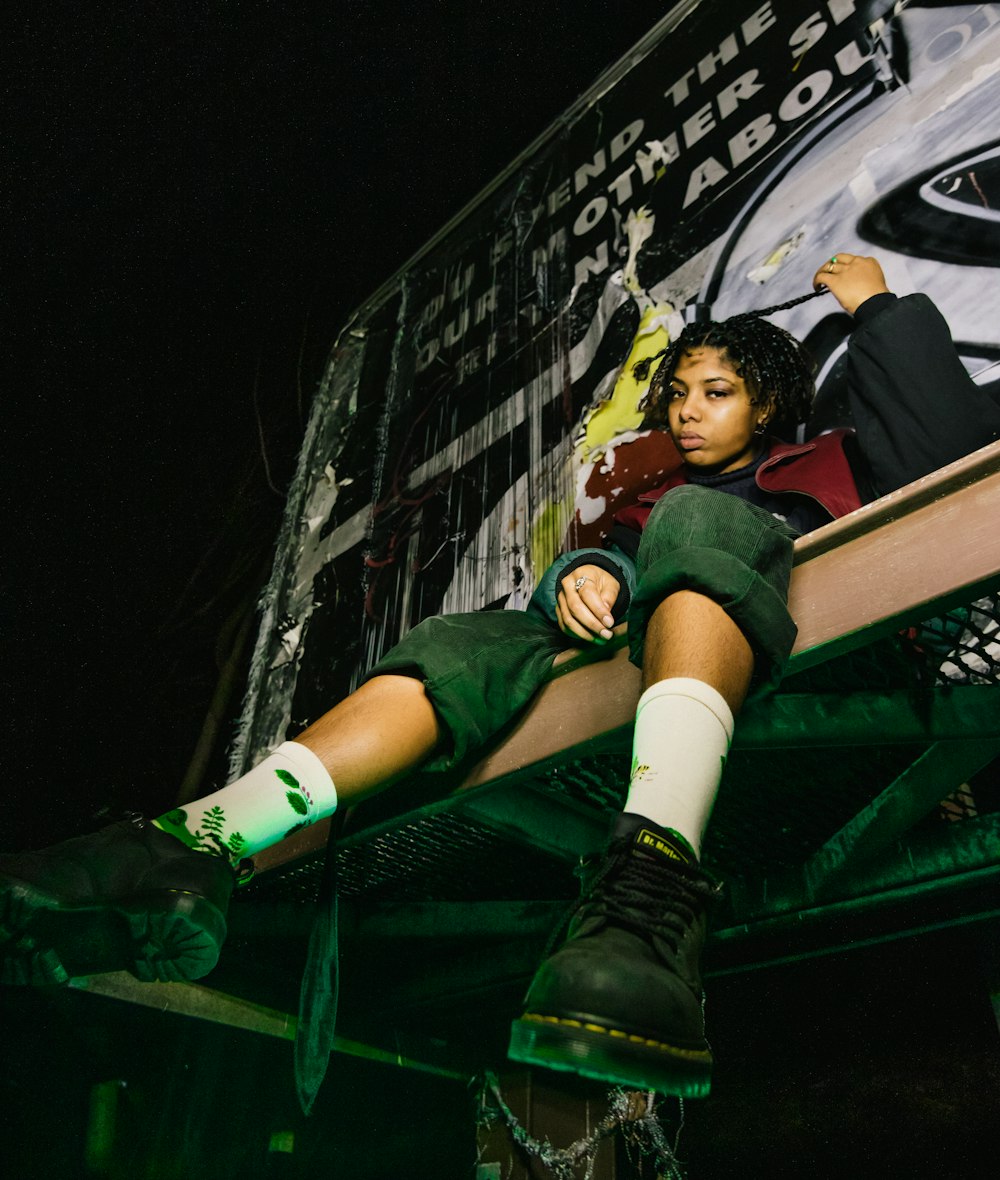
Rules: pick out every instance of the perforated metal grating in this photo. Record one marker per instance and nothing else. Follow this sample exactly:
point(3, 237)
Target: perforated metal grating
point(444, 856)
point(775, 808)
point(965, 644)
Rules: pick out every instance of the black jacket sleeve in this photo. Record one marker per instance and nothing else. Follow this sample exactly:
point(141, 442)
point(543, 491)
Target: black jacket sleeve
point(913, 403)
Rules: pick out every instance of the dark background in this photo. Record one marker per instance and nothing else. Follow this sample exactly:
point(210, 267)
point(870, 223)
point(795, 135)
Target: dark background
point(201, 194)
point(197, 195)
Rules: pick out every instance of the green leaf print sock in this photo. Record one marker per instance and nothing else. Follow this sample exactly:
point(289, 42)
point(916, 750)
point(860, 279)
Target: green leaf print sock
point(289, 790)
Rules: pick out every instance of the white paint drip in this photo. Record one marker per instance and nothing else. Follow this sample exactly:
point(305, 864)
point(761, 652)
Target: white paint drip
point(591, 508)
point(638, 228)
point(777, 258)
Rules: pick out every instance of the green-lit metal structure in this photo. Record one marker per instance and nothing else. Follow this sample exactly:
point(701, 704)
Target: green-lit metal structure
point(861, 803)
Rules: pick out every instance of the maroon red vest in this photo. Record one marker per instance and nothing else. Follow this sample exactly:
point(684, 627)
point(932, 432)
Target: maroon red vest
point(817, 468)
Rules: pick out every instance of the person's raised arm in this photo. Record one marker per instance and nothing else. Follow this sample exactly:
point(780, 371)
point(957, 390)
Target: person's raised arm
point(914, 405)
point(851, 279)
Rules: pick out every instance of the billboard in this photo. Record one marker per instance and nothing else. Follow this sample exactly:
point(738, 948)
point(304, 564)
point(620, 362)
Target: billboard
point(479, 412)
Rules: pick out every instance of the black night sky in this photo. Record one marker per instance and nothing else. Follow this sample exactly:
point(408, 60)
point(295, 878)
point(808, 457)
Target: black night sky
point(201, 193)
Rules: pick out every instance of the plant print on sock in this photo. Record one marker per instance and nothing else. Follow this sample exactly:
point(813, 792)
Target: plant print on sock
point(237, 845)
point(638, 771)
point(176, 824)
point(214, 839)
point(209, 836)
point(298, 799)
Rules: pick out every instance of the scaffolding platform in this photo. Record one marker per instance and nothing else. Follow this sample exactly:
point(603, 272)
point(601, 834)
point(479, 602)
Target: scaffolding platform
point(860, 803)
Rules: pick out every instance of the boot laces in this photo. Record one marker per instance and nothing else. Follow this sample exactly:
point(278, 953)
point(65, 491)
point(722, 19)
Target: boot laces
point(646, 895)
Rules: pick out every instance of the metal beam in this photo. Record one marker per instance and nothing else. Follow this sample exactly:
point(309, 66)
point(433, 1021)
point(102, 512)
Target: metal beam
point(957, 851)
point(935, 774)
point(920, 551)
point(473, 921)
point(190, 999)
point(537, 819)
point(204, 1003)
point(860, 718)
point(856, 922)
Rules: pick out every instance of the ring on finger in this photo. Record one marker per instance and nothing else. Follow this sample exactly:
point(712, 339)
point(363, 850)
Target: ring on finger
point(580, 582)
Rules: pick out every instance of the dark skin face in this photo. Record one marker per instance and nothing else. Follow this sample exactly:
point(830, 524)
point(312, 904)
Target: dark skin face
point(712, 419)
point(712, 422)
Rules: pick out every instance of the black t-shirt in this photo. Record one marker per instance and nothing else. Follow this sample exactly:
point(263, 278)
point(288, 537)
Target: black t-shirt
point(799, 511)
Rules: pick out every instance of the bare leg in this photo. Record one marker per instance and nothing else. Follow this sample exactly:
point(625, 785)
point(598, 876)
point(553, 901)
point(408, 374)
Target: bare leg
point(696, 673)
point(690, 635)
point(389, 726)
point(144, 897)
point(375, 735)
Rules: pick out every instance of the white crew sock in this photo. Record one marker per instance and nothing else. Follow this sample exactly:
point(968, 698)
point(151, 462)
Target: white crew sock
point(683, 728)
point(290, 789)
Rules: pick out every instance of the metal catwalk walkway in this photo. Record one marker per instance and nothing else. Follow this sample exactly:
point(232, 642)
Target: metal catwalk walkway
point(860, 803)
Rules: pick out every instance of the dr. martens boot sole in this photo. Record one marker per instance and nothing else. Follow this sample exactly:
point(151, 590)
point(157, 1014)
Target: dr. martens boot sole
point(168, 935)
point(582, 1046)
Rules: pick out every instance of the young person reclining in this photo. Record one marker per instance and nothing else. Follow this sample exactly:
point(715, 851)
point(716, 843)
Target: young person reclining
point(698, 569)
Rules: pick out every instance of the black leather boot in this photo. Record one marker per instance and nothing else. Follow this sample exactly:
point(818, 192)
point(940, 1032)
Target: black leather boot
point(621, 999)
point(128, 897)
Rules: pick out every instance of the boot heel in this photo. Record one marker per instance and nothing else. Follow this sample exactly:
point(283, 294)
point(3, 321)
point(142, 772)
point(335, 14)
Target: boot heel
point(621, 998)
point(129, 897)
point(174, 938)
point(572, 1047)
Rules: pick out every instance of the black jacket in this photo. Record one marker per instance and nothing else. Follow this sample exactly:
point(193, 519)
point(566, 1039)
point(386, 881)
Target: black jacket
point(914, 405)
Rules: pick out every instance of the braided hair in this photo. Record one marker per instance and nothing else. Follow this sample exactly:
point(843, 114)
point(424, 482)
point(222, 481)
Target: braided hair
point(770, 360)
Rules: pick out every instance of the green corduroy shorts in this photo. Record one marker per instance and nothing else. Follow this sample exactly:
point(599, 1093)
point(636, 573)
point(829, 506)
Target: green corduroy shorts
point(482, 668)
point(733, 552)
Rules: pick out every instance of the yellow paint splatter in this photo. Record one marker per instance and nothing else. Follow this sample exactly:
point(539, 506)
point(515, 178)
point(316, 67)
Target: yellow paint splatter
point(548, 531)
point(619, 413)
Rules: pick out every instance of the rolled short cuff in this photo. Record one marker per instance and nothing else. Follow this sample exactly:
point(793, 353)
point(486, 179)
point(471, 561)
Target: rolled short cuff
point(747, 597)
point(479, 670)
